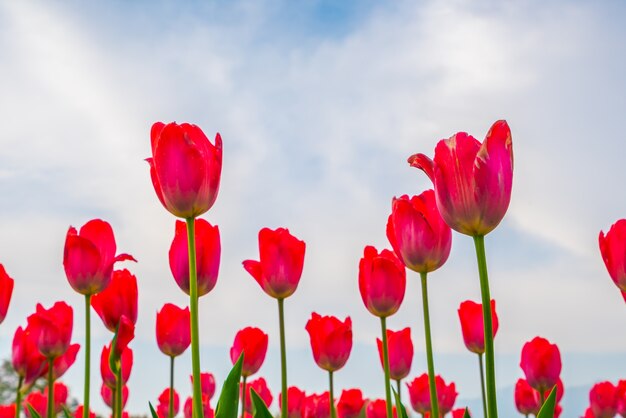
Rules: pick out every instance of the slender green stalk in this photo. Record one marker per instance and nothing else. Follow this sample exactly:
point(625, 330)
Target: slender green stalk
point(18, 397)
point(434, 402)
point(542, 398)
point(383, 326)
point(482, 383)
point(87, 355)
point(243, 396)
point(119, 391)
point(170, 412)
point(490, 366)
point(198, 410)
point(283, 359)
point(50, 413)
point(399, 389)
point(333, 411)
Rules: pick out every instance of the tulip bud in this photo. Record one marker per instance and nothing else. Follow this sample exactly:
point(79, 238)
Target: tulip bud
point(117, 300)
point(400, 353)
point(350, 404)
point(541, 363)
point(253, 343)
point(473, 327)
point(331, 341)
point(172, 330)
point(52, 328)
point(382, 281)
point(603, 399)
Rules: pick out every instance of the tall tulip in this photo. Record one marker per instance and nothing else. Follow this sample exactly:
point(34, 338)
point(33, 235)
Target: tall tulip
point(350, 403)
point(613, 250)
point(541, 363)
point(603, 400)
point(252, 342)
point(278, 272)
point(331, 341)
point(473, 184)
point(6, 290)
point(400, 355)
point(382, 283)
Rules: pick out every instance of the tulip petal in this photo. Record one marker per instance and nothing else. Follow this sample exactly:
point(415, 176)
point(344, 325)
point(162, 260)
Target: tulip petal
point(424, 163)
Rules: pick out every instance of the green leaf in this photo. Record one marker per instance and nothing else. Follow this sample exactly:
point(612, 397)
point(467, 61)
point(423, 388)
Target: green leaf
point(33, 413)
point(547, 410)
point(399, 406)
point(466, 414)
point(152, 411)
point(66, 412)
point(228, 404)
point(260, 409)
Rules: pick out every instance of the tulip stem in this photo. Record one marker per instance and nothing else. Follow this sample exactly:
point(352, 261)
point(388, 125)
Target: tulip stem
point(399, 390)
point(333, 411)
point(482, 383)
point(18, 397)
point(198, 411)
point(119, 386)
point(283, 359)
point(170, 412)
point(243, 396)
point(490, 369)
point(87, 355)
point(383, 326)
point(542, 398)
point(434, 403)
point(50, 413)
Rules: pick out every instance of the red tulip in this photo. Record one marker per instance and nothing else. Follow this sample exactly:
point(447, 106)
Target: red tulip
point(7, 411)
point(281, 261)
point(105, 369)
point(60, 396)
point(173, 332)
point(6, 290)
point(472, 180)
point(185, 168)
point(125, 334)
point(260, 387)
point(378, 409)
point(458, 413)
point(207, 384)
point(253, 343)
point(541, 363)
point(38, 401)
point(473, 327)
point(78, 413)
point(382, 281)
point(108, 393)
point(27, 361)
point(603, 399)
point(417, 232)
point(316, 406)
point(419, 392)
point(446, 394)
point(621, 395)
point(350, 404)
point(400, 348)
point(119, 298)
point(558, 409)
point(560, 390)
point(164, 403)
point(62, 363)
point(208, 252)
point(331, 341)
point(188, 408)
point(89, 256)
point(52, 328)
point(613, 249)
point(589, 413)
point(526, 398)
point(295, 399)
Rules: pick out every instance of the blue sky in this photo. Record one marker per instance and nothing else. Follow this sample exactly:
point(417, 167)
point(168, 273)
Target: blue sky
point(319, 106)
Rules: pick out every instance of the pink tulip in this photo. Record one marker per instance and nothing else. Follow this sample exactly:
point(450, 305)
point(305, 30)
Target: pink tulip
point(331, 340)
point(350, 404)
point(472, 325)
point(295, 399)
point(6, 290)
point(603, 400)
point(526, 398)
point(541, 363)
point(400, 353)
point(613, 250)
point(382, 281)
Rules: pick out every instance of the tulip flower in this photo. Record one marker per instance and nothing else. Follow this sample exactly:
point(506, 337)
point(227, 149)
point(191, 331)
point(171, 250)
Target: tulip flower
point(603, 399)
point(419, 393)
point(207, 384)
point(621, 395)
point(108, 394)
point(378, 409)
point(295, 397)
point(208, 252)
point(60, 396)
point(458, 413)
point(541, 363)
point(126, 365)
point(169, 403)
point(316, 406)
point(278, 272)
point(260, 387)
point(117, 300)
point(350, 404)
point(252, 342)
point(7, 411)
point(123, 336)
point(400, 354)
point(62, 363)
point(188, 408)
point(526, 398)
point(80, 411)
point(37, 401)
point(613, 250)
point(27, 361)
point(6, 290)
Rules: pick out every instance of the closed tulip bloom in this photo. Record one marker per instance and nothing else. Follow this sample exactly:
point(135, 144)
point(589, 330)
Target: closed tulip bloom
point(188, 408)
point(350, 403)
point(526, 398)
point(108, 377)
point(446, 394)
point(89, 256)
point(382, 281)
point(295, 398)
point(541, 363)
point(52, 328)
point(281, 262)
point(400, 352)
point(207, 384)
point(60, 396)
point(119, 298)
point(78, 412)
point(253, 343)
point(260, 387)
point(173, 332)
point(208, 253)
point(417, 232)
point(378, 409)
point(458, 413)
point(38, 401)
point(472, 181)
point(108, 394)
point(419, 392)
point(62, 363)
point(164, 403)
point(6, 290)
point(613, 250)
point(27, 361)
point(7, 411)
point(185, 168)
point(603, 400)
point(316, 406)
point(560, 390)
point(331, 340)
point(473, 327)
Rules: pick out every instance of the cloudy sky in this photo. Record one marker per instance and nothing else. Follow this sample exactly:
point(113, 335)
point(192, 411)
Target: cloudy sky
point(319, 104)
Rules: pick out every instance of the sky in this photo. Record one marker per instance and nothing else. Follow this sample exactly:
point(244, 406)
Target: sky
point(319, 104)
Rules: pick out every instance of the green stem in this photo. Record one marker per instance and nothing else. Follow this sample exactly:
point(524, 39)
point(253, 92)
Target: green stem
point(87, 355)
point(434, 403)
point(490, 369)
point(399, 389)
point(243, 396)
point(198, 410)
point(383, 326)
point(119, 386)
point(50, 413)
point(482, 383)
point(542, 398)
point(333, 411)
point(283, 359)
point(170, 412)
point(18, 397)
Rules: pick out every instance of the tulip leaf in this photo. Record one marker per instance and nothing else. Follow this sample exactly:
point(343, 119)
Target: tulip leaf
point(399, 406)
point(152, 411)
point(260, 409)
point(547, 410)
point(66, 412)
point(466, 414)
point(33, 413)
point(228, 404)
